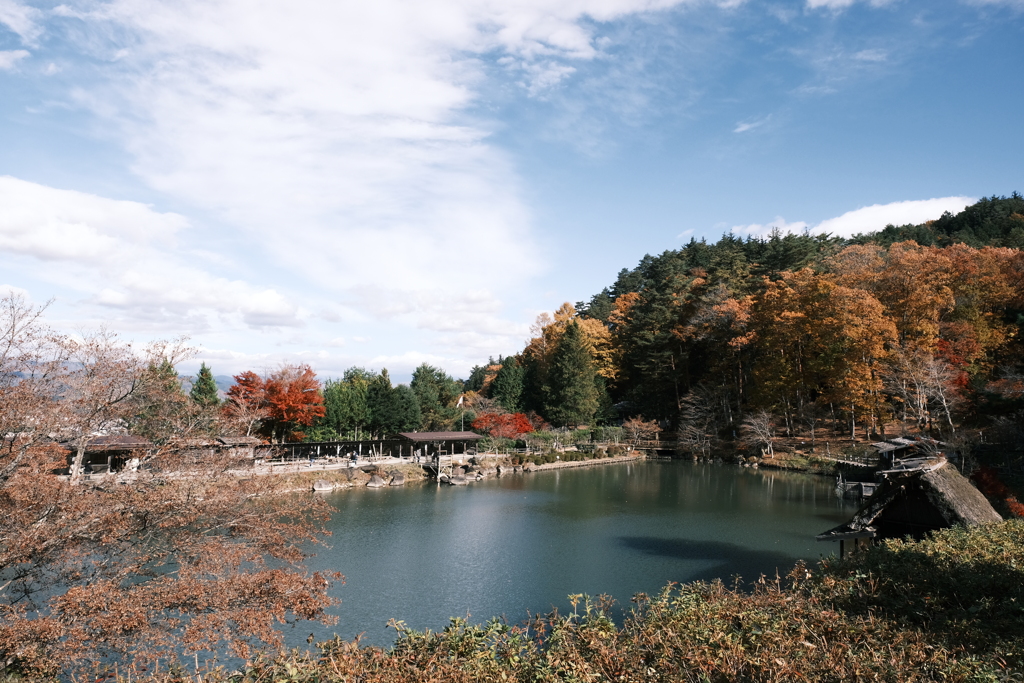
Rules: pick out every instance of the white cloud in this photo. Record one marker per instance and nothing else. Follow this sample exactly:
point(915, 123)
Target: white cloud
point(343, 141)
point(21, 18)
point(1013, 4)
point(11, 290)
point(744, 126)
point(338, 135)
point(10, 58)
point(121, 255)
point(836, 5)
point(339, 142)
point(865, 219)
point(877, 216)
point(873, 55)
point(405, 363)
point(765, 229)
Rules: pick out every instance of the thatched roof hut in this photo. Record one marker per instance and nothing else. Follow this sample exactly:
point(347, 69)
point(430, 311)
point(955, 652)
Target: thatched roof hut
point(913, 502)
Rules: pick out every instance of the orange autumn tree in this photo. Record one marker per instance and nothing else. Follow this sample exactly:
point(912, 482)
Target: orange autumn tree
point(818, 342)
point(281, 404)
point(912, 282)
point(294, 400)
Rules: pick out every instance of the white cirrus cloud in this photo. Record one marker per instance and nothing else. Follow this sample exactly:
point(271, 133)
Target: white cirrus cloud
point(341, 136)
point(745, 126)
point(22, 19)
point(871, 55)
point(836, 5)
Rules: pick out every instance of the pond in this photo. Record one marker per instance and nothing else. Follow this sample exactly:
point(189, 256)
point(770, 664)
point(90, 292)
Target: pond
point(522, 543)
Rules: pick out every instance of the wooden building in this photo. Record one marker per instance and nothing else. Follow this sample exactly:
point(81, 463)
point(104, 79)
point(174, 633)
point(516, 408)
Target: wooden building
point(430, 444)
point(917, 497)
point(110, 453)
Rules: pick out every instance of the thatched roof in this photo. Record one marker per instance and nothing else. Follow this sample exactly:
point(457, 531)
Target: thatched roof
point(952, 495)
point(956, 498)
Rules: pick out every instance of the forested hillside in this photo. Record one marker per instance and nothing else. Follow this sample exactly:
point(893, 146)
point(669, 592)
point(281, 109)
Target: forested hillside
point(914, 327)
point(917, 324)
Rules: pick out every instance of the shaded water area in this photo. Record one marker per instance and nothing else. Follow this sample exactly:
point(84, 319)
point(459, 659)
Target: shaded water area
point(523, 543)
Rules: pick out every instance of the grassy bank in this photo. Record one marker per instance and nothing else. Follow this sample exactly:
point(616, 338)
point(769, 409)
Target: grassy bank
point(947, 608)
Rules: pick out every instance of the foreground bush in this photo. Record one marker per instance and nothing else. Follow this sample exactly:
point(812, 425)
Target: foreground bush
point(948, 608)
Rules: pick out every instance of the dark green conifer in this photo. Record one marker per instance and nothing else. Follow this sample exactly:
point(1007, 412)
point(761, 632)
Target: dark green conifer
point(204, 389)
point(392, 409)
point(572, 392)
point(436, 393)
point(508, 385)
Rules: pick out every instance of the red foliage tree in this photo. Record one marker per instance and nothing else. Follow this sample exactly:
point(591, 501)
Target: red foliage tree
point(508, 426)
point(288, 399)
point(246, 405)
point(293, 400)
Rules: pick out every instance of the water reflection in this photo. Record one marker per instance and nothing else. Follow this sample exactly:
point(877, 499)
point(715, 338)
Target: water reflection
point(523, 543)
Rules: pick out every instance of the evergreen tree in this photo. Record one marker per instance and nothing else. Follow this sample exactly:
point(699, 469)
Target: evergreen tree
point(572, 391)
point(407, 416)
point(391, 409)
point(160, 402)
point(204, 389)
point(436, 394)
point(509, 384)
point(476, 378)
point(345, 403)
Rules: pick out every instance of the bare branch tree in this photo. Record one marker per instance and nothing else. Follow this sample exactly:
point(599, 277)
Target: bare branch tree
point(924, 385)
point(639, 430)
point(759, 430)
point(183, 555)
point(698, 421)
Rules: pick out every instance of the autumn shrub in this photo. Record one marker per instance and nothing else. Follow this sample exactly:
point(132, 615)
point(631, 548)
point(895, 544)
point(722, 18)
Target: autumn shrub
point(946, 608)
point(964, 588)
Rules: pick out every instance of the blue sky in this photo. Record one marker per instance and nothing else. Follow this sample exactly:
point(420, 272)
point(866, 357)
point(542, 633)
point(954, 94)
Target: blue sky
point(388, 183)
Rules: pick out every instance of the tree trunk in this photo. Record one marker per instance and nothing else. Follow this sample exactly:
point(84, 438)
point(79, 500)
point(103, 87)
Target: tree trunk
point(76, 464)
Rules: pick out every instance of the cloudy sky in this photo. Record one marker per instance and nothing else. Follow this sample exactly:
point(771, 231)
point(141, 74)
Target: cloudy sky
point(391, 182)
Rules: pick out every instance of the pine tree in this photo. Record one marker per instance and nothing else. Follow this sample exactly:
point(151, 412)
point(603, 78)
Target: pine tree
point(392, 409)
point(572, 392)
point(204, 389)
point(509, 384)
point(436, 394)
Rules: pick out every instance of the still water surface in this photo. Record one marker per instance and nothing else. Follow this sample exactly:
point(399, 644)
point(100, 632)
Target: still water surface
point(522, 543)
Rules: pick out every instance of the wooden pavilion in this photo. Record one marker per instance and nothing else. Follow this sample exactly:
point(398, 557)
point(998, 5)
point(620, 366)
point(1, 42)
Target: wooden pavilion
point(430, 444)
